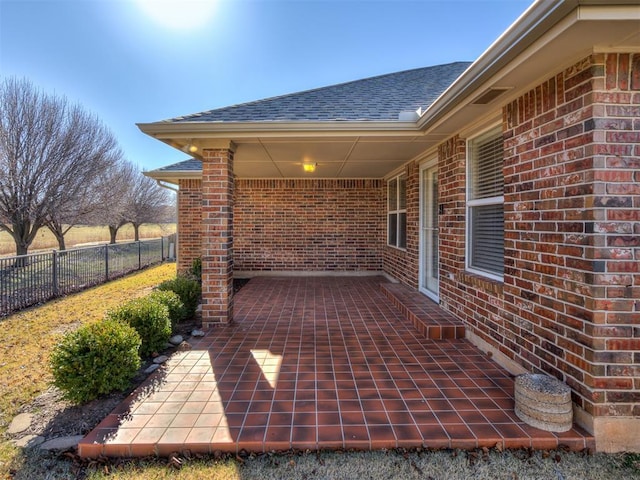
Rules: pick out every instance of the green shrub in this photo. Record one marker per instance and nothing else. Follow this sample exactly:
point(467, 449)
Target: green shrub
point(172, 301)
point(151, 320)
point(196, 270)
point(96, 359)
point(187, 289)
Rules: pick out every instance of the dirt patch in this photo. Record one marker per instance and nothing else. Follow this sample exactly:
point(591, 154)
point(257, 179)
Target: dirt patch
point(64, 329)
point(55, 417)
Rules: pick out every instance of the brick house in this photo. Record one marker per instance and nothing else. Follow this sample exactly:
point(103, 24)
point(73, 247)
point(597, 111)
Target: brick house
point(507, 190)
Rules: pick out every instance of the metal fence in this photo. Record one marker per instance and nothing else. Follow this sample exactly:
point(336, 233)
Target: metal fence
point(31, 279)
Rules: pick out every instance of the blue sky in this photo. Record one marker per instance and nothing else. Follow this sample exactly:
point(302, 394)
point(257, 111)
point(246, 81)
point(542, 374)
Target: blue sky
point(126, 65)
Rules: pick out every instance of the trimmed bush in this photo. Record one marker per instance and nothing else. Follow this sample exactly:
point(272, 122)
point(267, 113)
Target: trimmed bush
point(196, 270)
point(172, 301)
point(95, 360)
point(151, 320)
point(187, 289)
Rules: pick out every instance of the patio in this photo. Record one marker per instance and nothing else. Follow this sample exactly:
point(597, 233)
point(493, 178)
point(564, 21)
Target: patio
point(320, 363)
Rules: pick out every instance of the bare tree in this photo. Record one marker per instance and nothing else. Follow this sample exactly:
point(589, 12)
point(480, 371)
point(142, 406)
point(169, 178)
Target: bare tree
point(148, 203)
point(50, 151)
point(114, 198)
point(78, 209)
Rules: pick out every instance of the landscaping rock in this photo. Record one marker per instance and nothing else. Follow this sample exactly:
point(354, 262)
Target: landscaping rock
point(29, 441)
point(62, 443)
point(160, 359)
point(176, 340)
point(197, 333)
point(184, 346)
point(20, 423)
point(152, 368)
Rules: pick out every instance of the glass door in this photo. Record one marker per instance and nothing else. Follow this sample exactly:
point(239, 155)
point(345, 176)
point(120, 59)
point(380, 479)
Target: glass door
point(429, 232)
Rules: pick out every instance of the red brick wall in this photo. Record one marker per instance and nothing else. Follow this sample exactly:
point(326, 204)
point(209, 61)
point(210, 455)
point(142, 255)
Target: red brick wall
point(309, 225)
point(403, 264)
point(572, 221)
point(475, 299)
point(189, 223)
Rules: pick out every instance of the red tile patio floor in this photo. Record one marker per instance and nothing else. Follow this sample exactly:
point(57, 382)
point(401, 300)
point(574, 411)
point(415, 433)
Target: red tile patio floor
point(320, 363)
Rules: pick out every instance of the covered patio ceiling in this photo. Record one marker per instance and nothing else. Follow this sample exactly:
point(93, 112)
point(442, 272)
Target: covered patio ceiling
point(338, 157)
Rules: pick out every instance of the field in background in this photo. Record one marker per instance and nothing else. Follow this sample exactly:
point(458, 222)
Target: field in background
point(82, 235)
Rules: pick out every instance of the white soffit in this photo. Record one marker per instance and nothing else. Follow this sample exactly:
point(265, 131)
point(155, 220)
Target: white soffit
point(261, 169)
point(308, 151)
point(359, 157)
point(369, 169)
point(385, 151)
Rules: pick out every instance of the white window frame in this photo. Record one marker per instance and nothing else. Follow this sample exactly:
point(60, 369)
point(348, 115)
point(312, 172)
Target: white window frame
point(471, 203)
point(397, 212)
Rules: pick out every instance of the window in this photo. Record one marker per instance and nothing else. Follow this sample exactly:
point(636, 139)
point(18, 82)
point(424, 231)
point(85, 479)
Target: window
point(397, 212)
point(485, 199)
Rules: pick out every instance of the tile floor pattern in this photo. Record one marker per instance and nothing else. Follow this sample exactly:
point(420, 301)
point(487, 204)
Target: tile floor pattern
point(320, 363)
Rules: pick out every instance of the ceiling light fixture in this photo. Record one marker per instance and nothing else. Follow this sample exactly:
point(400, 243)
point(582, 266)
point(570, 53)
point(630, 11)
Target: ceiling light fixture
point(309, 167)
point(189, 148)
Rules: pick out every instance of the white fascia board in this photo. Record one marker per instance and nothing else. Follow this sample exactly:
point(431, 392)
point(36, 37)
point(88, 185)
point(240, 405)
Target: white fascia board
point(173, 176)
point(274, 129)
point(609, 13)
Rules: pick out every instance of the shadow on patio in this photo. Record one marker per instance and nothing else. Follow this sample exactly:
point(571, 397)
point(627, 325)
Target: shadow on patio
point(320, 363)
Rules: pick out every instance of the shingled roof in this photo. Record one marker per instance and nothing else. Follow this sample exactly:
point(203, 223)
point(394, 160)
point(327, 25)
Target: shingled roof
point(190, 165)
point(380, 98)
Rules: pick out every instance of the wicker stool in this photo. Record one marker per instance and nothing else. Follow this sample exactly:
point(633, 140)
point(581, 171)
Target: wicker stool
point(543, 402)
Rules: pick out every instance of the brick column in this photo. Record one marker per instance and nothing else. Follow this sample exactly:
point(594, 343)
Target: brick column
point(217, 235)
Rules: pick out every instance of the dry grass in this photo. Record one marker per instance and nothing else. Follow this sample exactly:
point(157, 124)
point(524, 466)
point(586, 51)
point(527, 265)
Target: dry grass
point(83, 235)
point(425, 465)
point(28, 338)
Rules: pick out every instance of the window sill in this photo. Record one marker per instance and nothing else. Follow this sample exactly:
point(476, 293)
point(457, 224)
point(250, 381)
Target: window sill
point(485, 283)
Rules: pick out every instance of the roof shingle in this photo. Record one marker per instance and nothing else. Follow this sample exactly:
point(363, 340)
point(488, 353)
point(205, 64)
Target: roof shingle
point(380, 98)
point(190, 165)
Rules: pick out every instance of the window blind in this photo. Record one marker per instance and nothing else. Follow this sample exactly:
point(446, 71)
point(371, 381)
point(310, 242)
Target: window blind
point(487, 178)
point(485, 249)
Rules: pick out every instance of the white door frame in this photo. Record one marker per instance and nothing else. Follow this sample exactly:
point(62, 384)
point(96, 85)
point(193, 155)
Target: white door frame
point(434, 295)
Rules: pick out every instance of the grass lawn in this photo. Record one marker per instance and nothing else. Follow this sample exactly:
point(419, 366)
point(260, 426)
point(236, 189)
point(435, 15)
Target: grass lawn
point(378, 465)
point(29, 336)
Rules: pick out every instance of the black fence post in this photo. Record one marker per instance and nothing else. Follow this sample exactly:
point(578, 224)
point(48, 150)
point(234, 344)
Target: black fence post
point(54, 269)
point(139, 255)
point(106, 263)
point(162, 249)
